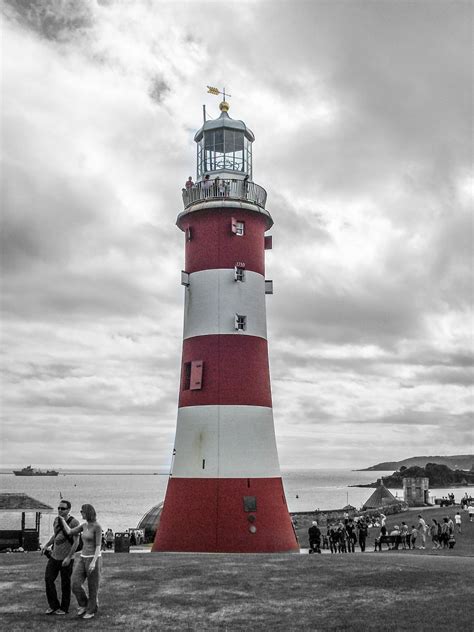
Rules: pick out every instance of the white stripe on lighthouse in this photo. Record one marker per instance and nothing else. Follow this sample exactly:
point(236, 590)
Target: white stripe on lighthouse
point(214, 297)
point(225, 442)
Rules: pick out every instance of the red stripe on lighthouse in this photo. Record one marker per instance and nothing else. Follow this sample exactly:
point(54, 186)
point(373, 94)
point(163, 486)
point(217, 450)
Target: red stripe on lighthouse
point(235, 371)
point(214, 246)
point(209, 515)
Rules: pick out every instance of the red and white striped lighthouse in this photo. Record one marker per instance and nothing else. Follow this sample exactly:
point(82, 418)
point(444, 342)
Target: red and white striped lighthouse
point(225, 492)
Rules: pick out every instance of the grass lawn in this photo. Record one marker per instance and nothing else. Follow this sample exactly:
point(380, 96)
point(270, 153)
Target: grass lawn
point(412, 590)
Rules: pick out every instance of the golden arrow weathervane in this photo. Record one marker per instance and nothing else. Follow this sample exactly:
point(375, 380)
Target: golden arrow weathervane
point(216, 91)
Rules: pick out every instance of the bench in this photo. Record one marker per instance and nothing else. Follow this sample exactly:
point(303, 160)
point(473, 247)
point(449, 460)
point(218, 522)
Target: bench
point(444, 502)
point(10, 539)
point(392, 542)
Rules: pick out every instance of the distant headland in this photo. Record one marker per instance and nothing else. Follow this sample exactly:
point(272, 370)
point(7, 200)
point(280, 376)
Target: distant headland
point(439, 474)
point(455, 462)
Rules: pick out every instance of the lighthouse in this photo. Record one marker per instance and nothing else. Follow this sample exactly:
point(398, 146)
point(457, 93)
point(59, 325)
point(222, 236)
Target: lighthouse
point(225, 491)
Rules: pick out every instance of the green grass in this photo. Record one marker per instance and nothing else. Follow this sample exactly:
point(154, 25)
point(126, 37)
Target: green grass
point(398, 590)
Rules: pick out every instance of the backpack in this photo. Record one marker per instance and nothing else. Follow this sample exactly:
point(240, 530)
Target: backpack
point(70, 538)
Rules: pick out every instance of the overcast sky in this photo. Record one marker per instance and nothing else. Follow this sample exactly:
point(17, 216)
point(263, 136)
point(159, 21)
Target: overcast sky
point(362, 113)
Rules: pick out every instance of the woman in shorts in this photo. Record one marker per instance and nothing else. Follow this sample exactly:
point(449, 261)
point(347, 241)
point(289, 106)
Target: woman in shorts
point(88, 566)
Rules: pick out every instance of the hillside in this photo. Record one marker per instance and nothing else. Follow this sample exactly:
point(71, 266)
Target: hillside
point(455, 462)
point(438, 475)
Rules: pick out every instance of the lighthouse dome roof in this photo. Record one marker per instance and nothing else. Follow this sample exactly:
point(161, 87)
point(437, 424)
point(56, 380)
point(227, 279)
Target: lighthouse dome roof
point(224, 122)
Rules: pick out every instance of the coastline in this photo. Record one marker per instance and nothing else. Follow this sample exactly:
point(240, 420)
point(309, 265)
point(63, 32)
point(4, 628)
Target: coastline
point(453, 485)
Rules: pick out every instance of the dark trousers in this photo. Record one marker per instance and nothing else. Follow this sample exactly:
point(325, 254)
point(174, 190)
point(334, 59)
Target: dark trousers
point(53, 569)
point(362, 542)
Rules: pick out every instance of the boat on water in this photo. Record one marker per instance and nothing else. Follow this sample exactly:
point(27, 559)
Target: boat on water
point(30, 471)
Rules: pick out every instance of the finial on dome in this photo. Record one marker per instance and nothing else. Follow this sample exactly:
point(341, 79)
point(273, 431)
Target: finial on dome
point(224, 106)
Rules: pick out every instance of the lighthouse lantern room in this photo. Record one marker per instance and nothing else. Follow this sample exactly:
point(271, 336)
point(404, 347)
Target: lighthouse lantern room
point(224, 146)
point(225, 492)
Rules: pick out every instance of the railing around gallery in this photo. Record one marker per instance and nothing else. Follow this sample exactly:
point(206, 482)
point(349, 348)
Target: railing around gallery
point(228, 188)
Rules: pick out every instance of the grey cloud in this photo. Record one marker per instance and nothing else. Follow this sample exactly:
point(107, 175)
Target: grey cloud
point(115, 442)
point(292, 221)
point(76, 295)
point(158, 89)
point(353, 315)
point(50, 19)
point(446, 375)
point(415, 102)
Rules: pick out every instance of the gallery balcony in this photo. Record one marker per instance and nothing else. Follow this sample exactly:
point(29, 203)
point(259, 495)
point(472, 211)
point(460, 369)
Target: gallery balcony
point(224, 189)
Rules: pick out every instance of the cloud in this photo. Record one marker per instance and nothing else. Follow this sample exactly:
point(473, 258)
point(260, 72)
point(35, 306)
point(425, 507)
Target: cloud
point(363, 122)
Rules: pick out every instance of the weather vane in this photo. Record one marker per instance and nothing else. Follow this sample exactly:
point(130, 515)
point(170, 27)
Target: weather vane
point(216, 91)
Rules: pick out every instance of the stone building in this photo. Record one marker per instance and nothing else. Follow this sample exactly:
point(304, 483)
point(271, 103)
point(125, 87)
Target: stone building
point(415, 490)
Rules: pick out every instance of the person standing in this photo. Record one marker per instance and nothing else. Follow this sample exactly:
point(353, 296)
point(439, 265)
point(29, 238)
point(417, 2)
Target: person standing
point(61, 560)
point(89, 565)
point(351, 536)
point(458, 521)
point(470, 511)
point(189, 183)
point(341, 529)
point(363, 532)
point(109, 538)
point(422, 528)
point(314, 534)
point(207, 185)
point(333, 538)
point(435, 535)
point(404, 535)
point(445, 530)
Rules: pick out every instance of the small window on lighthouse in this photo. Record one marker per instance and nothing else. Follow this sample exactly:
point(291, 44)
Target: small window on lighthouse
point(184, 278)
point(239, 273)
point(238, 227)
point(250, 503)
point(192, 378)
point(240, 322)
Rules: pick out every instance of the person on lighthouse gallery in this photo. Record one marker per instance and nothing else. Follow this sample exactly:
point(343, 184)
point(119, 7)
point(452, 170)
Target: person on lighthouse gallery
point(89, 565)
point(61, 560)
point(207, 185)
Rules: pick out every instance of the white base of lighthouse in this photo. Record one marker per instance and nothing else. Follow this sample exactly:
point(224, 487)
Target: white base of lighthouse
point(210, 505)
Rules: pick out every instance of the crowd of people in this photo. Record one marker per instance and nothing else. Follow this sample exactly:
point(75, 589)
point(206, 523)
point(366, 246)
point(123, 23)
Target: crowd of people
point(343, 535)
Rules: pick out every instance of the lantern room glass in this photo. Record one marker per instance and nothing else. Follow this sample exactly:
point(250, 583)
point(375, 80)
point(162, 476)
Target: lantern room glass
point(224, 150)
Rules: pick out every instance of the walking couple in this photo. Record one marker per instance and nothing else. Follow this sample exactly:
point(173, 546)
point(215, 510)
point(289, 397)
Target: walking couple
point(69, 537)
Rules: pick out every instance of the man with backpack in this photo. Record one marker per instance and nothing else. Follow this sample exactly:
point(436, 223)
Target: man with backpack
point(61, 560)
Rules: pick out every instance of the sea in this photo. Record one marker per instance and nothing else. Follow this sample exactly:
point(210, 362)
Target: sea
point(122, 499)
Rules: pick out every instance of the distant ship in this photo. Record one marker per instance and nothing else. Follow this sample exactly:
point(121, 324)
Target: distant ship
point(29, 471)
